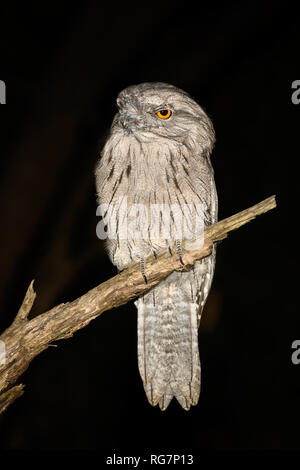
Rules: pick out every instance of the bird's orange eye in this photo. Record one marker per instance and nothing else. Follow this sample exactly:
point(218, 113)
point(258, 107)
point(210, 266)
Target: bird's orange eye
point(164, 113)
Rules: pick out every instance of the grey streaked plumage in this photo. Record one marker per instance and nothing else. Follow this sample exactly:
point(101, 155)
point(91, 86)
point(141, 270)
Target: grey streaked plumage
point(155, 161)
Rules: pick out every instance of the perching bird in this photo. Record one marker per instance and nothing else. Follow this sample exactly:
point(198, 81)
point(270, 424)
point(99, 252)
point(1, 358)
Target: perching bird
point(158, 152)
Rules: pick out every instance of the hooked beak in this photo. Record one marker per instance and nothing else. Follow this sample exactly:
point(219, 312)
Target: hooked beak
point(131, 123)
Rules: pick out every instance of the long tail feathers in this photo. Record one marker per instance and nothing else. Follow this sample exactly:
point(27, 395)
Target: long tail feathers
point(168, 353)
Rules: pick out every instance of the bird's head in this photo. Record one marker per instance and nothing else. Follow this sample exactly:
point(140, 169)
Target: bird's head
point(153, 111)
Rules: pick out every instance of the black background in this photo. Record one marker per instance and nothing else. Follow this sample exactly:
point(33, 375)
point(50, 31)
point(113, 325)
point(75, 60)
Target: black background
point(63, 65)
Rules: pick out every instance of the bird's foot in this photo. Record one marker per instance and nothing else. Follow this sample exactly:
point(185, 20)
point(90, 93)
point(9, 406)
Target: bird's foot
point(143, 270)
point(179, 251)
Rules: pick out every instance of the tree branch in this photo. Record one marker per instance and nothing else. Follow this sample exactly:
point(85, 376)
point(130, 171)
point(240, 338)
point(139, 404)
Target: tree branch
point(24, 339)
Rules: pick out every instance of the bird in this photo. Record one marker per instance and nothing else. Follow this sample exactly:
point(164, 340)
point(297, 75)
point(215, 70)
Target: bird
point(154, 173)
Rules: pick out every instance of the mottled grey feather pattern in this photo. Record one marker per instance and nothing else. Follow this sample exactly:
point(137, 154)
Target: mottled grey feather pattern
point(153, 161)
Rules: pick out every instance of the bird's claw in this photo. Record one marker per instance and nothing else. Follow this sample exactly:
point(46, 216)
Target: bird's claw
point(179, 251)
point(143, 270)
